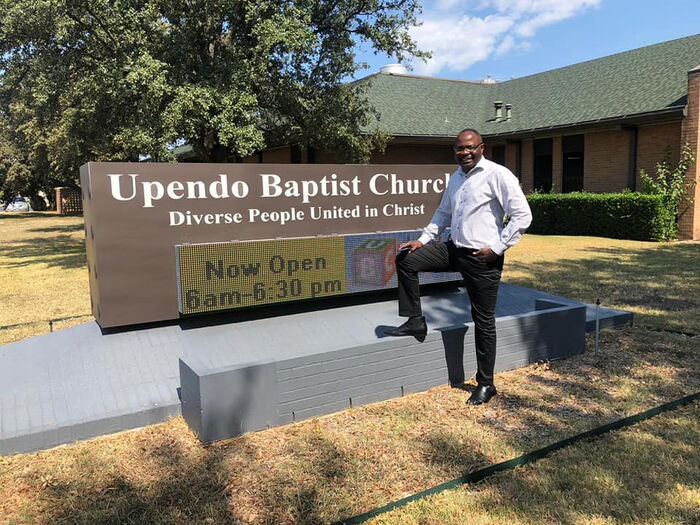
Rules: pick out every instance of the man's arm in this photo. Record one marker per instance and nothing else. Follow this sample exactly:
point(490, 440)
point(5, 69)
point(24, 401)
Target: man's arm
point(441, 220)
point(512, 199)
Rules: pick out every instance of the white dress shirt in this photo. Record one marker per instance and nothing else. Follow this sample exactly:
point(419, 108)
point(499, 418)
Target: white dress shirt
point(474, 205)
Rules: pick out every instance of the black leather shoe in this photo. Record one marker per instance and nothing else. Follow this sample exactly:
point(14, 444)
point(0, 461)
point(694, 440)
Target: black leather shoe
point(482, 394)
point(415, 326)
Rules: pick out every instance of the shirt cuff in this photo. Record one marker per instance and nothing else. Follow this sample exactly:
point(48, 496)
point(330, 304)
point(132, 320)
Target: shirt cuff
point(425, 239)
point(499, 248)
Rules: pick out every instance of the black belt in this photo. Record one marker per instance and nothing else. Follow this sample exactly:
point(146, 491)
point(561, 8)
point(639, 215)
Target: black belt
point(468, 251)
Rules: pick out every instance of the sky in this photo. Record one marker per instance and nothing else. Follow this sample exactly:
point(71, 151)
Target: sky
point(504, 39)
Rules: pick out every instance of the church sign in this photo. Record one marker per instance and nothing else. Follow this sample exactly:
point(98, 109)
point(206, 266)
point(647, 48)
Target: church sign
point(166, 240)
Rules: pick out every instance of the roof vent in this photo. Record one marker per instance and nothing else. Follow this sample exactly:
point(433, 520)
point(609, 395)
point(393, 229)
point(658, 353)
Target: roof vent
point(394, 69)
point(509, 112)
point(498, 109)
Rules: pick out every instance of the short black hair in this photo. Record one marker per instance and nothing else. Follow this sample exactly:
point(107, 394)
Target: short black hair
point(471, 130)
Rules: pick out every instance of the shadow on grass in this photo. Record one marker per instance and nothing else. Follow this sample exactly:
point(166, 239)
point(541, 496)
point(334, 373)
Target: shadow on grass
point(67, 228)
point(61, 251)
point(182, 489)
point(631, 475)
point(573, 396)
point(449, 448)
point(28, 215)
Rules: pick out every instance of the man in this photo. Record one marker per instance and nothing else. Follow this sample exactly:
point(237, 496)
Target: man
point(478, 196)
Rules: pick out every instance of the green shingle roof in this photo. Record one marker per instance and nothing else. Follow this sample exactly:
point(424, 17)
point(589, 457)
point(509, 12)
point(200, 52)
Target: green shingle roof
point(645, 80)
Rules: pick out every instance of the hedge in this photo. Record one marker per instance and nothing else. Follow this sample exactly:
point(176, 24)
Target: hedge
point(635, 216)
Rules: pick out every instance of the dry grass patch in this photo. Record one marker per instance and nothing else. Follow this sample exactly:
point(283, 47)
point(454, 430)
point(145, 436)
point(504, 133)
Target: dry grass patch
point(333, 467)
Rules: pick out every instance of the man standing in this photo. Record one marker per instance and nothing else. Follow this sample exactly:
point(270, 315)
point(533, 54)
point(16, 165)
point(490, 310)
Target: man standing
point(478, 196)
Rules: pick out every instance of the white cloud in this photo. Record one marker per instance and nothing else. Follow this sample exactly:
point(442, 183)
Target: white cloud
point(506, 45)
point(456, 44)
point(461, 36)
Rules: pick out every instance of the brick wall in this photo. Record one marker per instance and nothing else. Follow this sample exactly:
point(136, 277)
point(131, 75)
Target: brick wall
point(689, 221)
point(326, 157)
point(277, 155)
point(654, 143)
point(415, 154)
point(606, 161)
point(511, 157)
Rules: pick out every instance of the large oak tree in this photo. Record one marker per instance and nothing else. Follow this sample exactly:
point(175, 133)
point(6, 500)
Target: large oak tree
point(84, 80)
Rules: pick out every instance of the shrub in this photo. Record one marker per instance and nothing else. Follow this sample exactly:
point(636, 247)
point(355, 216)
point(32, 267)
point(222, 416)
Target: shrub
point(671, 183)
point(616, 215)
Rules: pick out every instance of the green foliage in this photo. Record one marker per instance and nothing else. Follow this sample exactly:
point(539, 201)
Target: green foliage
point(616, 215)
point(116, 80)
point(671, 184)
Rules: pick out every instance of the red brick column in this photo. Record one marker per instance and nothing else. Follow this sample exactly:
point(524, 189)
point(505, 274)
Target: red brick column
point(68, 201)
point(689, 220)
point(59, 200)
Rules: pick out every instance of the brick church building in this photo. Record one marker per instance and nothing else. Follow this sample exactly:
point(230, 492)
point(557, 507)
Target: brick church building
point(590, 126)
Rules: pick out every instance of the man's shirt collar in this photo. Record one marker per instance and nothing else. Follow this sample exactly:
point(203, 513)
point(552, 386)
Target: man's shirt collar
point(481, 165)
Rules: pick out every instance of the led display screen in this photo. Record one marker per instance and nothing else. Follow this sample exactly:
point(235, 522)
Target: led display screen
point(229, 275)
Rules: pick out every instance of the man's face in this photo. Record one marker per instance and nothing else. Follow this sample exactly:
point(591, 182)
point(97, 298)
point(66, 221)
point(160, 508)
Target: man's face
point(468, 150)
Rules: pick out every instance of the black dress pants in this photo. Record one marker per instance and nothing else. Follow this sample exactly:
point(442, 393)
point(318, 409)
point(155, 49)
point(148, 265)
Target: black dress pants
point(481, 280)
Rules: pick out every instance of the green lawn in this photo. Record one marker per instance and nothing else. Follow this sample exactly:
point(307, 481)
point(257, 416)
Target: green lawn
point(333, 467)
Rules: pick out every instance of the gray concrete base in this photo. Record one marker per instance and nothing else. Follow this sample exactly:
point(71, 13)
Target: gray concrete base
point(227, 401)
point(79, 383)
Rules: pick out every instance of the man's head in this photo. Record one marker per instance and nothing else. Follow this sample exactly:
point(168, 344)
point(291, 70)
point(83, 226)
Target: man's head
point(468, 148)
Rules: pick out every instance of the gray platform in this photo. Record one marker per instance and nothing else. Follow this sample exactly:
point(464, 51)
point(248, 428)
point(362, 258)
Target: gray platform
point(78, 383)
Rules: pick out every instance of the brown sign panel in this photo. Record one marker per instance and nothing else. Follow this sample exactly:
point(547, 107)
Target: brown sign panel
point(137, 213)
